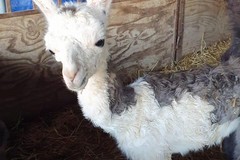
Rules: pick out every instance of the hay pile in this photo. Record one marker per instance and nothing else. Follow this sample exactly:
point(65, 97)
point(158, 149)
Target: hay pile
point(207, 55)
point(66, 135)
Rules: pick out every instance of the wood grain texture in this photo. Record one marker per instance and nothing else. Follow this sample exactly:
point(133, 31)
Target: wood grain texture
point(204, 17)
point(141, 33)
point(8, 6)
point(30, 79)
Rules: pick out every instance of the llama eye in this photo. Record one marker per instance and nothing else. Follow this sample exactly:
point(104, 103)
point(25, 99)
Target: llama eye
point(51, 52)
point(100, 43)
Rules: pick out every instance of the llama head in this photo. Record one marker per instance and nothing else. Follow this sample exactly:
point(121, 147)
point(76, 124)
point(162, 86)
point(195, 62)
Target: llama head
point(76, 36)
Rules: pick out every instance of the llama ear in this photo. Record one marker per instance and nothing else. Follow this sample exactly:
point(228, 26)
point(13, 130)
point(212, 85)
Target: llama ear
point(48, 7)
point(100, 4)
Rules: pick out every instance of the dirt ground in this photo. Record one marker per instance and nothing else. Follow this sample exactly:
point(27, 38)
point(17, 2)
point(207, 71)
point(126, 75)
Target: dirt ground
point(66, 135)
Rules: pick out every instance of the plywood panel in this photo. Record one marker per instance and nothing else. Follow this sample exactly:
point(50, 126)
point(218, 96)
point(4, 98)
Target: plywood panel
point(30, 79)
point(204, 17)
point(140, 34)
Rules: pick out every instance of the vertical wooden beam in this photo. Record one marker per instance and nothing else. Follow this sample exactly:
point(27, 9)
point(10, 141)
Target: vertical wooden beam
point(8, 6)
point(179, 29)
point(59, 2)
point(34, 6)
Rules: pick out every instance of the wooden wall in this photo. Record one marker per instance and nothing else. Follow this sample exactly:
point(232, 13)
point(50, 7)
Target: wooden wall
point(203, 18)
point(141, 34)
point(30, 79)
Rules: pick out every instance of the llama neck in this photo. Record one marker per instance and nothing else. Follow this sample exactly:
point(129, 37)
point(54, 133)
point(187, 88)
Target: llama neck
point(94, 99)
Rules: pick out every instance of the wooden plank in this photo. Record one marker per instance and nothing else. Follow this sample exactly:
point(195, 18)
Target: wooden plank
point(206, 18)
point(142, 35)
point(179, 29)
point(35, 6)
point(8, 6)
point(31, 79)
point(17, 14)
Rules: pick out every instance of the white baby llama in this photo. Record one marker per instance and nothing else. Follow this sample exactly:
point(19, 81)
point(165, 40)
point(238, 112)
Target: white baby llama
point(155, 116)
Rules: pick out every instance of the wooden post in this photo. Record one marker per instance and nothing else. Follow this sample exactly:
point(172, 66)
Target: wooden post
point(8, 6)
point(59, 2)
point(34, 6)
point(179, 29)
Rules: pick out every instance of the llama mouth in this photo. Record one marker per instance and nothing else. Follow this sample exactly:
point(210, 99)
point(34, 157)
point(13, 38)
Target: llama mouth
point(84, 82)
point(77, 84)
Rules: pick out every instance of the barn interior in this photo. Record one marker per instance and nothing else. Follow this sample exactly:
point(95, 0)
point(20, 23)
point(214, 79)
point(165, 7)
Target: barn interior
point(42, 115)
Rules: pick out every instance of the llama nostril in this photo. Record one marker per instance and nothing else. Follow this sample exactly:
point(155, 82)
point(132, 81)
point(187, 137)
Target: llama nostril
point(70, 74)
point(84, 80)
point(73, 76)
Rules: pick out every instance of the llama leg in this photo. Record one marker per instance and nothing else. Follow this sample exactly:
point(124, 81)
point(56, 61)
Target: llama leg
point(140, 154)
point(231, 145)
point(237, 142)
point(165, 157)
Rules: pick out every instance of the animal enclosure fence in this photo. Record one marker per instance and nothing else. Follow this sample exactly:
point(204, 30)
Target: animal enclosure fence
point(145, 35)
